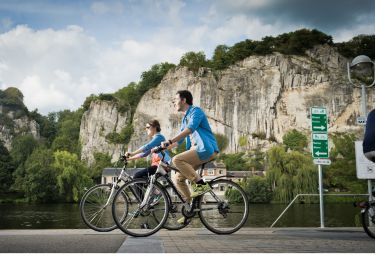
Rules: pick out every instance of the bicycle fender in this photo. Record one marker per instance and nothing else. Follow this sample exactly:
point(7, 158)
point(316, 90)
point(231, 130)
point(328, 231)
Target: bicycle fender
point(216, 178)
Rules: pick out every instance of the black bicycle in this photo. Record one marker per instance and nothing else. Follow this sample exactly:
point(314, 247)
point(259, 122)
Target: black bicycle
point(223, 210)
point(368, 215)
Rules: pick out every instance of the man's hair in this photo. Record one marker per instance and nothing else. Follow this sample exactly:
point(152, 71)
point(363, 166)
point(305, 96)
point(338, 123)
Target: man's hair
point(186, 94)
point(155, 123)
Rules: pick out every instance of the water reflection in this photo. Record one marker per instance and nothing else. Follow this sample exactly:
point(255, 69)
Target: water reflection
point(60, 216)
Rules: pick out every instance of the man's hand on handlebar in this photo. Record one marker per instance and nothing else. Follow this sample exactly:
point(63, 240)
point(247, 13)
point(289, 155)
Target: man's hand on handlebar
point(165, 144)
point(128, 154)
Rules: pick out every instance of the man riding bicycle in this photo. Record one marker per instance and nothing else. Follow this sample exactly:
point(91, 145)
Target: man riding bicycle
point(201, 146)
point(369, 139)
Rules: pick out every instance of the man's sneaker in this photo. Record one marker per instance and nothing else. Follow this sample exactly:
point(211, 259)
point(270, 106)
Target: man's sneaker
point(183, 221)
point(199, 189)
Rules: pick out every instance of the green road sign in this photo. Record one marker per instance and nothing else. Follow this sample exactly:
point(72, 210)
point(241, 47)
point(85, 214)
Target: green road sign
point(319, 145)
point(319, 119)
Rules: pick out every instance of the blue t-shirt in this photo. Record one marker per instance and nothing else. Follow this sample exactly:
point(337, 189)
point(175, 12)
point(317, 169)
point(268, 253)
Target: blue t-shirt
point(203, 138)
point(369, 140)
point(156, 141)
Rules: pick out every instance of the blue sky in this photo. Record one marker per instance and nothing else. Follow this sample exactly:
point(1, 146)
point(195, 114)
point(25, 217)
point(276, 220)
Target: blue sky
point(60, 52)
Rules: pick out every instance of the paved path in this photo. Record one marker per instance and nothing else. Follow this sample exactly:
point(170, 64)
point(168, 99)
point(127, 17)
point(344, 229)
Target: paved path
point(247, 240)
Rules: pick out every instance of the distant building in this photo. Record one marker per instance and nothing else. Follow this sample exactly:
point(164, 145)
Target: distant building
point(212, 170)
point(110, 175)
point(242, 175)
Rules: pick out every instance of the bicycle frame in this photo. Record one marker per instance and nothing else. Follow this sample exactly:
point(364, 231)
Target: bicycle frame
point(123, 176)
point(161, 172)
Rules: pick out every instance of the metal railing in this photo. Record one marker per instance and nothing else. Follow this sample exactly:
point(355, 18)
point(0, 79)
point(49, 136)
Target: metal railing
point(301, 195)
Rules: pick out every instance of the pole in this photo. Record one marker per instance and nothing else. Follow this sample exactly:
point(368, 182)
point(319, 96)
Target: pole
point(321, 196)
point(364, 111)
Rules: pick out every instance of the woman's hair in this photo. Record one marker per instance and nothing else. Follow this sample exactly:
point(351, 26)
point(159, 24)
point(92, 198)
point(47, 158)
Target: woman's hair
point(155, 123)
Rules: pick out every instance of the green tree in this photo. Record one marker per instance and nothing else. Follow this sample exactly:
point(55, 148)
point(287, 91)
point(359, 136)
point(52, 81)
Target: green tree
point(152, 77)
point(22, 147)
point(72, 176)
point(221, 58)
point(234, 162)
point(341, 174)
point(67, 138)
point(295, 140)
point(40, 179)
point(12, 99)
point(256, 160)
point(258, 189)
point(290, 173)
point(359, 45)
point(47, 125)
point(102, 161)
point(6, 168)
point(140, 163)
point(193, 60)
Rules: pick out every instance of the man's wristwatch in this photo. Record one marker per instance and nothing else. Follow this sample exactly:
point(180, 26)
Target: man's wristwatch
point(170, 141)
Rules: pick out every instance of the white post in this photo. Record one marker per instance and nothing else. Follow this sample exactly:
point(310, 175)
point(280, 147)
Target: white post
point(321, 196)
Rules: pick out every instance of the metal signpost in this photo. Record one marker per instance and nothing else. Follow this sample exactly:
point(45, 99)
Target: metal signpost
point(320, 148)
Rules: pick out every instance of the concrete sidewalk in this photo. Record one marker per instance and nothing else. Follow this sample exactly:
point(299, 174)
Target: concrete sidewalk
point(188, 240)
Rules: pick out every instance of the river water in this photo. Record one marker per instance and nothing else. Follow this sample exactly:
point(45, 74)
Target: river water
point(67, 216)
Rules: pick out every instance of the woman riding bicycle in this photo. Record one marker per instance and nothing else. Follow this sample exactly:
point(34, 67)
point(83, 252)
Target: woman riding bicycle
point(153, 131)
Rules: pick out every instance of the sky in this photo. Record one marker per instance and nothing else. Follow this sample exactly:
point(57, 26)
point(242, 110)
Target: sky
point(58, 52)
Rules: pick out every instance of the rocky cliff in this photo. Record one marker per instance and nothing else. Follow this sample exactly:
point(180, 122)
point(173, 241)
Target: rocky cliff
point(11, 125)
point(101, 119)
point(257, 100)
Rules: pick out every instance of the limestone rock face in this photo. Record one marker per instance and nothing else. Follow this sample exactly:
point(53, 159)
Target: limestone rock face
point(256, 101)
point(14, 127)
point(101, 119)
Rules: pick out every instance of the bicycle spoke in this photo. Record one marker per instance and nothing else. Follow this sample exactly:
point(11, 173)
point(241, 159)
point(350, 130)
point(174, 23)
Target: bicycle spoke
point(223, 211)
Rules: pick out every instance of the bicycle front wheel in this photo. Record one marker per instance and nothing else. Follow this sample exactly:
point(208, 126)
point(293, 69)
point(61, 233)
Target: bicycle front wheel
point(225, 208)
point(140, 221)
point(368, 221)
point(95, 211)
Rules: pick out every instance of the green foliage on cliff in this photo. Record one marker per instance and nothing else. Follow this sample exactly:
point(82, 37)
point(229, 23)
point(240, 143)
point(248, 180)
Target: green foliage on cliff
point(359, 45)
point(193, 60)
point(11, 99)
point(295, 140)
point(293, 43)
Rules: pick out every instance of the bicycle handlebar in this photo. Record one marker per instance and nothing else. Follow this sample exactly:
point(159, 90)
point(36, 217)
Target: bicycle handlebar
point(159, 149)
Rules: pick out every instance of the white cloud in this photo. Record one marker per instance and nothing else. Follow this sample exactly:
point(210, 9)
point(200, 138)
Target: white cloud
point(58, 69)
point(347, 34)
point(243, 27)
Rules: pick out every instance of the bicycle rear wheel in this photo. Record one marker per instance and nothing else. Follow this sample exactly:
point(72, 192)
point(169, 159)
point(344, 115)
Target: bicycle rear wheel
point(140, 222)
point(368, 221)
point(94, 211)
point(225, 208)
